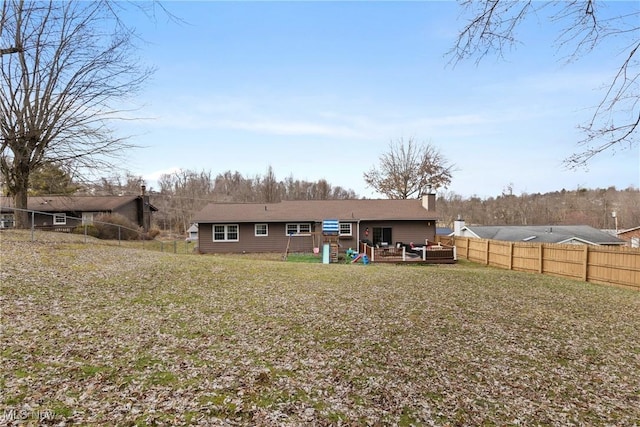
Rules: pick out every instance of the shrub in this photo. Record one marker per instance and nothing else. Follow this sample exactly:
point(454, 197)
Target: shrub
point(92, 230)
point(151, 234)
point(108, 225)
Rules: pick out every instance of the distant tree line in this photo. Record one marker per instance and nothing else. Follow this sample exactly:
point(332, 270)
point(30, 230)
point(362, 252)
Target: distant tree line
point(183, 193)
point(594, 207)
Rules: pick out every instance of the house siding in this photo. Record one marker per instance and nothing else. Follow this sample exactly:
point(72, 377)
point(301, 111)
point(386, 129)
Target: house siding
point(136, 209)
point(129, 211)
point(402, 231)
point(632, 237)
point(46, 220)
point(276, 241)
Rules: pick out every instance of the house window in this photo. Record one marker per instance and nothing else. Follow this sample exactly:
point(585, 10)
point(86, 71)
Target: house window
point(6, 221)
point(298, 228)
point(345, 229)
point(261, 230)
point(225, 233)
point(59, 219)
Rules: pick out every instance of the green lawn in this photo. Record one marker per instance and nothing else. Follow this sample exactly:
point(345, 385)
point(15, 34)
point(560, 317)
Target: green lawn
point(96, 334)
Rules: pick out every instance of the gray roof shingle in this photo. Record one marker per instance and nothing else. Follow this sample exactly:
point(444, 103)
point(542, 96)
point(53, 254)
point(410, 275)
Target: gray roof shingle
point(72, 203)
point(545, 234)
point(316, 210)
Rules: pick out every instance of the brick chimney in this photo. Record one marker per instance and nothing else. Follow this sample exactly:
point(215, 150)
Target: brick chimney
point(145, 212)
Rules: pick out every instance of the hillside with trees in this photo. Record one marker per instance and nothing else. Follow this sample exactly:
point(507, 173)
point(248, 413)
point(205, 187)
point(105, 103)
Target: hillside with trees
point(183, 193)
point(583, 206)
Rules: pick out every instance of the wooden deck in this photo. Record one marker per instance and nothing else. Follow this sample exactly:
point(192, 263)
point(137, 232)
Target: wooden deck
point(436, 254)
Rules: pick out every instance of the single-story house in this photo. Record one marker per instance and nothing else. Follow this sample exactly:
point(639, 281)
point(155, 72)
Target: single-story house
point(66, 212)
point(563, 234)
point(297, 226)
point(631, 236)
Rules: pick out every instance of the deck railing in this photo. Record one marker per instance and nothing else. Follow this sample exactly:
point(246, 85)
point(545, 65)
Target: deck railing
point(426, 254)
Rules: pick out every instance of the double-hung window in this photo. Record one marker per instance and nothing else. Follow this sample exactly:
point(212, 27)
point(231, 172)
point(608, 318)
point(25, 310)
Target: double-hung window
point(261, 229)
point(59, 219)
point(225, 233)
point(298, 228)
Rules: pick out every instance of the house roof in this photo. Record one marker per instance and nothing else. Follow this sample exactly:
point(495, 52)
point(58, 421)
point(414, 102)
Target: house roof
point(620, 232)
point(443, 231)
point(316, 210)
point(73, 203)
point(545, 234)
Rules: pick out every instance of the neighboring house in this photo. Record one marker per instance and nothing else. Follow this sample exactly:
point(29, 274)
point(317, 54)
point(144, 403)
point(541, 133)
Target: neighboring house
point(192, 233)
point(65, 212)
point(631, 236)
point(297, 225)
point(564, 234)
point(443, 231)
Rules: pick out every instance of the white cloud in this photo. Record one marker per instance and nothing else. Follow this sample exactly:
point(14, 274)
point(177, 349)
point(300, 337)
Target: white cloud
point(152, 177)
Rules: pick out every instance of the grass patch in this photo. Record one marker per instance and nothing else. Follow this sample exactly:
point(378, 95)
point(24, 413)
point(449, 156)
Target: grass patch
point(147, 338)
point(305, 258)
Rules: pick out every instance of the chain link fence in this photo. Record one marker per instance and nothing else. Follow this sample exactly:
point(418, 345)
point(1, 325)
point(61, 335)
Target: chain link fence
point(111, 233)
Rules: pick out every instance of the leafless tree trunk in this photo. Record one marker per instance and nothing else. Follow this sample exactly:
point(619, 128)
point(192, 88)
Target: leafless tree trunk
point(615, 120)
point(60, 91)
point(269, 187)
point(407, 170)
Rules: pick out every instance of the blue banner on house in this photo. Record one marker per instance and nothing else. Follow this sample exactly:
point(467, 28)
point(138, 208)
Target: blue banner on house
point(330, 226)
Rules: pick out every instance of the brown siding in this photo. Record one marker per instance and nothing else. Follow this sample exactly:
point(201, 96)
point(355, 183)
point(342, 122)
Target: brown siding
point(42, 220)
point(402, 231)
point(628, 235)
point(129, 211)
point(276, 241)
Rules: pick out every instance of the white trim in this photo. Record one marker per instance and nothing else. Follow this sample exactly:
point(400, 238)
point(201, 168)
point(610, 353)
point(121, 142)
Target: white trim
point(465, 228)
point(573, 240)
point(298, 231)
point(266, 229)
point(59, 219)
point(226, 232)
point(350, 233)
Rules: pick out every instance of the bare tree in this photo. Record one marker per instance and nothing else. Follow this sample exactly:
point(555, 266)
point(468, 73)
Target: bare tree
point(269, 188)
point(62, 88)
point(615, 121)
point(182, 194)
point(5, 49)
point(408, 170)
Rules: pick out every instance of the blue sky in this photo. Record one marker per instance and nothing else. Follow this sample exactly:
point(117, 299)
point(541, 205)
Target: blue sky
point(319, 89)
